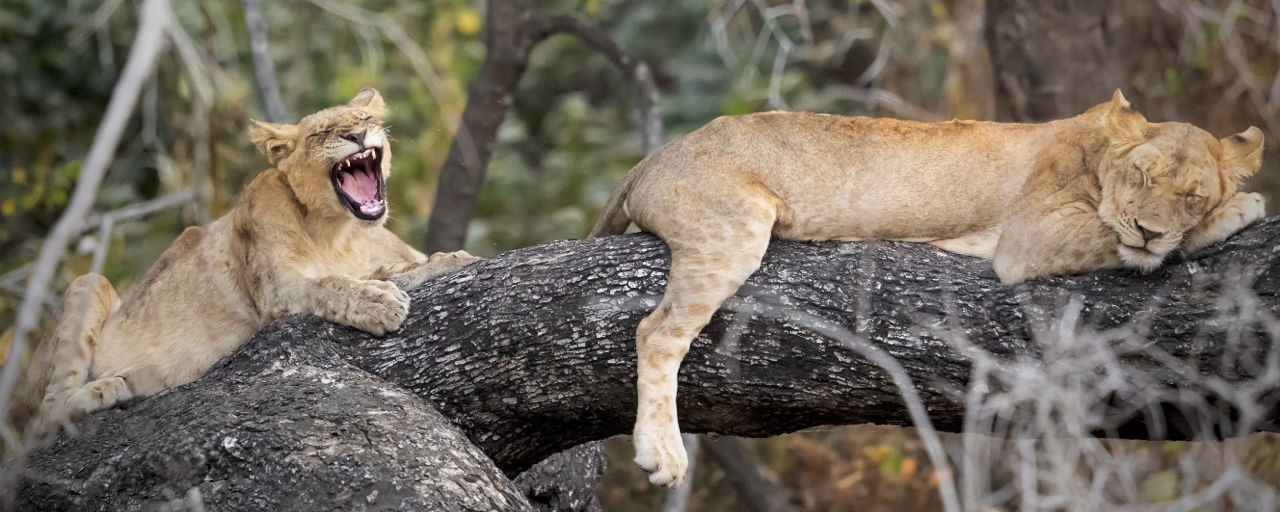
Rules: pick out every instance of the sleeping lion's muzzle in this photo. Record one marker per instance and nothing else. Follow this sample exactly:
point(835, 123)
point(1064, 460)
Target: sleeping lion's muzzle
point(358, 181)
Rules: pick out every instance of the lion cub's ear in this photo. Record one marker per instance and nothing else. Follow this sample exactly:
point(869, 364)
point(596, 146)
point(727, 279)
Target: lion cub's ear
point(1242, 153)
point(1123, 123)
point(369, 99)
point(274, 141)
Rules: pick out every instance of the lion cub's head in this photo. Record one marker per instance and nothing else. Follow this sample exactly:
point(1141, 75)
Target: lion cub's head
point(1160, 179)
point(337, 160)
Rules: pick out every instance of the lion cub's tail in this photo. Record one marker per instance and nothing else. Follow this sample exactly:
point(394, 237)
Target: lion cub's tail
point(614, 220)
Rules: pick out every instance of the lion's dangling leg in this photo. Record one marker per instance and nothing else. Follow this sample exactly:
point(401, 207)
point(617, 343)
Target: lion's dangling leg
point(703, 274)
point(63, 361)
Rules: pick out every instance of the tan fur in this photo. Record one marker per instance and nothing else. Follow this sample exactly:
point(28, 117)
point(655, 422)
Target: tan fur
point(289, 246)
point(1038, 199)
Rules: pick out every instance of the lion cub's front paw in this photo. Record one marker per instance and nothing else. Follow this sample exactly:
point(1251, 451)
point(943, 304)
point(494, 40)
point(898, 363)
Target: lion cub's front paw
point(378, 308)
point(660, 451)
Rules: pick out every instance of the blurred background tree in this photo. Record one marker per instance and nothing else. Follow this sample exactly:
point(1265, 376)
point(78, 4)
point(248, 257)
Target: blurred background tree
point(569, 131)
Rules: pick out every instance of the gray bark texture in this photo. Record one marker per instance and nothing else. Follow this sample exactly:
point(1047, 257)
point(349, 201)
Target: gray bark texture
point(531, 353)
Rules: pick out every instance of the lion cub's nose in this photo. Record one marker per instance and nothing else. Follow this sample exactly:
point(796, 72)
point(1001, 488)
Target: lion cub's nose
point(356, 137)
point(1149, 235)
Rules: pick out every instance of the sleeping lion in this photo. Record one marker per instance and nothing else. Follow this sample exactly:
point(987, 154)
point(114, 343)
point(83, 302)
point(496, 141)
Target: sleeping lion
point(1104, 189)
point(306, 237)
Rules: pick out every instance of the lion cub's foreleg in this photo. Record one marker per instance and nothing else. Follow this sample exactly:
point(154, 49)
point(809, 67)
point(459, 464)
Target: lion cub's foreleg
point(376, 307)
point(708, 265)
point(60, 369)
point(1237, 212)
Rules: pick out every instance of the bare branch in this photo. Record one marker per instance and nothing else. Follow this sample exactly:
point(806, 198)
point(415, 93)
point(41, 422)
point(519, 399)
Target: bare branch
point(105, 222)
point(264, 69)
point(143, 55)
point(141, 209)
point(637, 73)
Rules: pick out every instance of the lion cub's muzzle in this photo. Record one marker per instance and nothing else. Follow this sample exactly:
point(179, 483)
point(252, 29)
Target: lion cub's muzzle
point(359, 183)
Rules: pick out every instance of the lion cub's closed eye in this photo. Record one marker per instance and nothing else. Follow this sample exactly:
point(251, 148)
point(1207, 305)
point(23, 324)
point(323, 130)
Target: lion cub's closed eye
point(1100, 190)
point(306, 237)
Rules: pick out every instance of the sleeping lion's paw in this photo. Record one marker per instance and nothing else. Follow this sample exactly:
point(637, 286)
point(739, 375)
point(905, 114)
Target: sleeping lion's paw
point(443, 262)
point(380, 307)
point(438, 263)
point(1252, 207)
point(660, 451)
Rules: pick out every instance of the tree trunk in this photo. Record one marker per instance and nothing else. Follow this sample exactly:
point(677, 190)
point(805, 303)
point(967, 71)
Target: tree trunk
point(1051, 59)
point(531, 352)
point(512, 33)
point(507, 47)
point(1055, 59)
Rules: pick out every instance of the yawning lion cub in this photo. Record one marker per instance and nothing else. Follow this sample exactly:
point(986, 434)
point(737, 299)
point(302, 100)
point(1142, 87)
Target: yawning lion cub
point(1100, 190)
point(306, 237)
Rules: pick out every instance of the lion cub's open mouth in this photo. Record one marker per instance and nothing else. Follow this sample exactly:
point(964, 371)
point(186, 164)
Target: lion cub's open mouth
point(358, 181)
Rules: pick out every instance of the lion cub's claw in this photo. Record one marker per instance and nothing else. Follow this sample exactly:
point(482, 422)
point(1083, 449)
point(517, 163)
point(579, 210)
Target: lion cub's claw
point(662, 454)
point(381, 308)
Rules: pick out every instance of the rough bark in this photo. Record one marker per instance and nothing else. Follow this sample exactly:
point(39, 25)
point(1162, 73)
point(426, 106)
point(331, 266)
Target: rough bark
point(531, 352)
point(566, 480)
point(283, 424)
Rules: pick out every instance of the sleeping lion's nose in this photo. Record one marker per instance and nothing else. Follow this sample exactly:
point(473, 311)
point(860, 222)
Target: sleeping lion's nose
point(356, 137)
point(1149, 235)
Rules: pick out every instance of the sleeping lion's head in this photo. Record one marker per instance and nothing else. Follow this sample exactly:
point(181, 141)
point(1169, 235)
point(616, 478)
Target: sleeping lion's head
point(336, 160)
point(1160, 179)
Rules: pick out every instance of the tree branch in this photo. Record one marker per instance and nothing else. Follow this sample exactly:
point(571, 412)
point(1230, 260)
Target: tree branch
point(646, 92)
point(532, 352)
point(512, 32)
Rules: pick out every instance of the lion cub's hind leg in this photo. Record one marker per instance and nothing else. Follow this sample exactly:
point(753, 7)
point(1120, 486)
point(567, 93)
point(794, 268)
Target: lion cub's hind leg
point(709, 262)
point(64, 360)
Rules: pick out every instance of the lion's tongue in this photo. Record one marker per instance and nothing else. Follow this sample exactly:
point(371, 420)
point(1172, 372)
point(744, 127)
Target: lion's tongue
point(362, 187)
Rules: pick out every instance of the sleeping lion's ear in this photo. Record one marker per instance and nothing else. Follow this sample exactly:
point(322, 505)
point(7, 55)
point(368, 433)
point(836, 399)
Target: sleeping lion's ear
point(274, 141)
point(1242, 153)
point(369, 99)
point(1121, 122)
